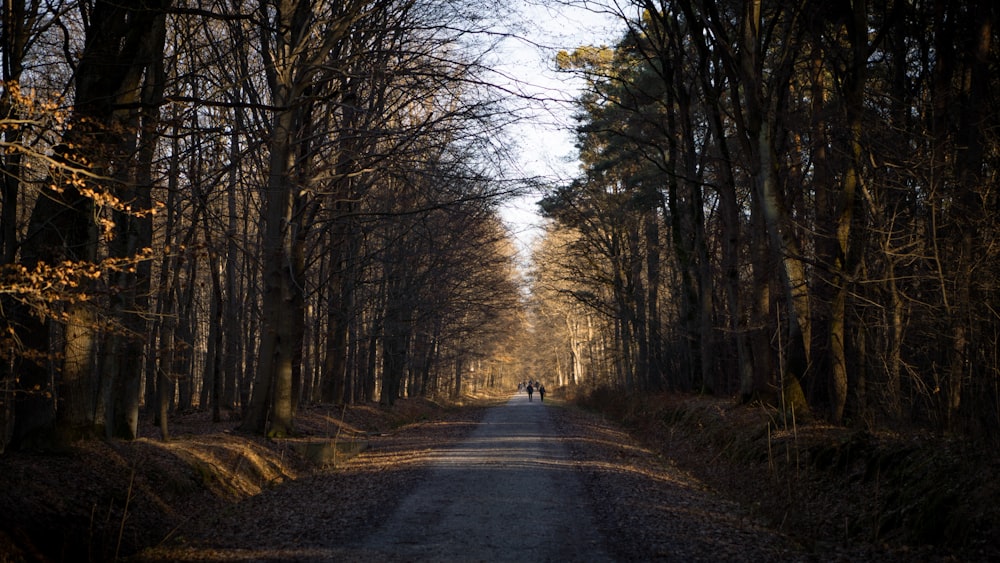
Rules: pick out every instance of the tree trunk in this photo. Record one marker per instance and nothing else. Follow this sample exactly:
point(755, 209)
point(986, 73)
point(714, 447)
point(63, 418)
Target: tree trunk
point(213, 356)
point(15, 38)
point(968, 204)
point(457, 390)
point(791, 275)
point(760, 123)
point(234, 314)
point(729, 212)
point(395, 341)
point(271, 404)
point(273, 385)
point(135, 234)
point(841, 206)
point(185, 335)
point(711, 85)
point(334, 379)
point(637, 305)
point(654, 336)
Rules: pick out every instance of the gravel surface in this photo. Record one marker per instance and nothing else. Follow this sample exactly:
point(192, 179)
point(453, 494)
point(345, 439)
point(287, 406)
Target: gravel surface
point(508, 492)
point(525, 481)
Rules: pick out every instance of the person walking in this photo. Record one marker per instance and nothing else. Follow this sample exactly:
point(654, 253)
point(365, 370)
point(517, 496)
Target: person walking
point(541, 392)
point(530, 391)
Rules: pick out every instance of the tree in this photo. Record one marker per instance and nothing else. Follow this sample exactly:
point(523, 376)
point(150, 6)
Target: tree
point(839, 151)
point(119, 48)
point(293, 64)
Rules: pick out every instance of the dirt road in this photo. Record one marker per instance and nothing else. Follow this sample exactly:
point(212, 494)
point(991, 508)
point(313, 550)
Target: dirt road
point(509, 492)
point(521, 481)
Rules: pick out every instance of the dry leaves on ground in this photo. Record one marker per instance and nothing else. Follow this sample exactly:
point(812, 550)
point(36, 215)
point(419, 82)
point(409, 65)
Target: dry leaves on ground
point(216, 494)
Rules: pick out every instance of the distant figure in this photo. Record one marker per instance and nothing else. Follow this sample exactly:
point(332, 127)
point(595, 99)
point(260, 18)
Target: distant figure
point(530, 391)
point(541, 392)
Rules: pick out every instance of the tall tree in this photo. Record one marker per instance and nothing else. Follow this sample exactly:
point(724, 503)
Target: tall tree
point(109, 78)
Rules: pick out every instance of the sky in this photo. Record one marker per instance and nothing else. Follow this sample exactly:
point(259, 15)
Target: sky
point(545, 142)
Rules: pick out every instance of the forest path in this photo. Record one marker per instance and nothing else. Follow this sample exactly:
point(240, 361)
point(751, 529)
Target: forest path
point(508, 492)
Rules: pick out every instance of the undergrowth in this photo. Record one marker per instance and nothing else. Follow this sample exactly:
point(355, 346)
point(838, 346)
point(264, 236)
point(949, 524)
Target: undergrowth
point(826, 485)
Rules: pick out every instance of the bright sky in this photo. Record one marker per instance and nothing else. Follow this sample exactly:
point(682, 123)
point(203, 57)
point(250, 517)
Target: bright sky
point(546, 142)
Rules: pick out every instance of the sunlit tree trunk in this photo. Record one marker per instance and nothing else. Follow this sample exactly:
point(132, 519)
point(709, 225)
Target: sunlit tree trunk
point(843, 261)
point(759, 125)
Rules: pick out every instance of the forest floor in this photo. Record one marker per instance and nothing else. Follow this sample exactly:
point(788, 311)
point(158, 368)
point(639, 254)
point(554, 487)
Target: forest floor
point(832, 493)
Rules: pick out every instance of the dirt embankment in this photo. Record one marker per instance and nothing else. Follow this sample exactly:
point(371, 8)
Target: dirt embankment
point(106, 500)
point(912, 495)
